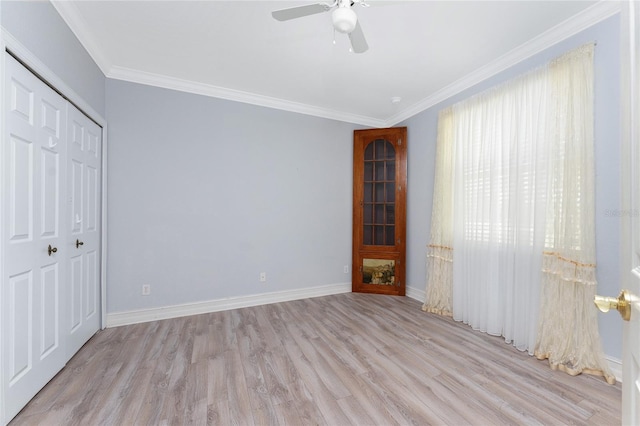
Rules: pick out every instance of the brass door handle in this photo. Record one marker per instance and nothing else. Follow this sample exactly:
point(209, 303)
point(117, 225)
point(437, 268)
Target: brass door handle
point(52, 249)
point(79, 243)
point(622, 303)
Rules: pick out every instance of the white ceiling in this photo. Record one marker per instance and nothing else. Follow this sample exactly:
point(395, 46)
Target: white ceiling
point(420, 51)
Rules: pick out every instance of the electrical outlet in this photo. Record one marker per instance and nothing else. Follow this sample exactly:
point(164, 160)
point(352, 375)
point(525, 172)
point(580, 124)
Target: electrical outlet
point(263, 277)
point(346, 269)
point(146, 289)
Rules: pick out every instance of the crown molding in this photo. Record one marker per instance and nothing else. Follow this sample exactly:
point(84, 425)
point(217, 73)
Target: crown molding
point(583, 20)
point(157, 80)
point(74, 20)
point(594, 14)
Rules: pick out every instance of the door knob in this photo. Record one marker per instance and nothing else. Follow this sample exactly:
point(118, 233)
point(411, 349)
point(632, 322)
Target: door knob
point(622, 303)
point(79, 243)
point(52, 249)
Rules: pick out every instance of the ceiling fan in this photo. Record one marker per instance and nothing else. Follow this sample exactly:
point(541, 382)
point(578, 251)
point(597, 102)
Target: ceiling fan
point(344, 19)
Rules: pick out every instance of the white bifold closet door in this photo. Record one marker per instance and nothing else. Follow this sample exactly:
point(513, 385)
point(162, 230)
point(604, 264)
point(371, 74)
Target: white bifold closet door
point(35, 277)
point(50, 198)
point(84, 139)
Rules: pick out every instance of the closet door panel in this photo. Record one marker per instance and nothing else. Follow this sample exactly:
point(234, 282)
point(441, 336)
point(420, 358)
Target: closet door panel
point(33, 281)
point(20, 183)
point(77, 194)
point(20, 359)
point(84, 219)
point(50, 290)
point(50, 198)
point(93, 275)
point(92, 214)
point(75, 292)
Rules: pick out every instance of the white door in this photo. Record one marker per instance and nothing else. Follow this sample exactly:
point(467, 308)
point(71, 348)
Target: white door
point(631, 194)
point(84, 171)
point(34, 236)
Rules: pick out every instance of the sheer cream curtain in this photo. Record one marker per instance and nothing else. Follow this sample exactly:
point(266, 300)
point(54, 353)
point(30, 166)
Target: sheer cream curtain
point(513, 234)
point(439, 251)
point(568, 327)
point(499, 191)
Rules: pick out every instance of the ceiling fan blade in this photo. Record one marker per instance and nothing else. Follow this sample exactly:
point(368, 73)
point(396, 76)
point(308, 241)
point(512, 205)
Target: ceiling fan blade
point(300, 11)
point(358, 42)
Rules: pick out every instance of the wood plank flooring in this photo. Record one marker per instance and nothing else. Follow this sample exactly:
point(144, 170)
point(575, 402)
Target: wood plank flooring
point(335, 360)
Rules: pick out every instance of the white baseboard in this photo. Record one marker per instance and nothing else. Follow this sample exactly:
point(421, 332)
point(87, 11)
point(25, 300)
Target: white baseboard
point(116, 319)
point(416, 294)
point(615, 365)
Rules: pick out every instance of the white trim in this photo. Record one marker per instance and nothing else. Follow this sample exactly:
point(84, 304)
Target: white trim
point(2, 222)
point(73, 18)
point(103, 233)
point(629, 146)
point(116, 319)
point(615, 365)
point(158, 80)
point(590, 16)
point(414, 293)
point(583, 20)
point(11, 43)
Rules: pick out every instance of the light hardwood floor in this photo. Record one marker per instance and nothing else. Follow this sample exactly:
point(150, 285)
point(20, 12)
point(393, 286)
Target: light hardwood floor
point(337, 360)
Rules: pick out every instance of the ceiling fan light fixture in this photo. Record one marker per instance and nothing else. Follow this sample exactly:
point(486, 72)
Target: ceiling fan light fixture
point(344, 19)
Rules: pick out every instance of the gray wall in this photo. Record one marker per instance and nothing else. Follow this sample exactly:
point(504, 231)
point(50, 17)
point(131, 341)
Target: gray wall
point(421, 159)
point(39, 27)
point(204, 194)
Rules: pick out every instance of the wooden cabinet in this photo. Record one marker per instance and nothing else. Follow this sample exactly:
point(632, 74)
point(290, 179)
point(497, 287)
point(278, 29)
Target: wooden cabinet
point(379, 210)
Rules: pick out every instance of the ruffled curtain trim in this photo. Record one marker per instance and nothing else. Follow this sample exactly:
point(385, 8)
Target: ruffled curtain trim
point(568, 327)
point(572, 371)
point(439, 280)
point(569, 270)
